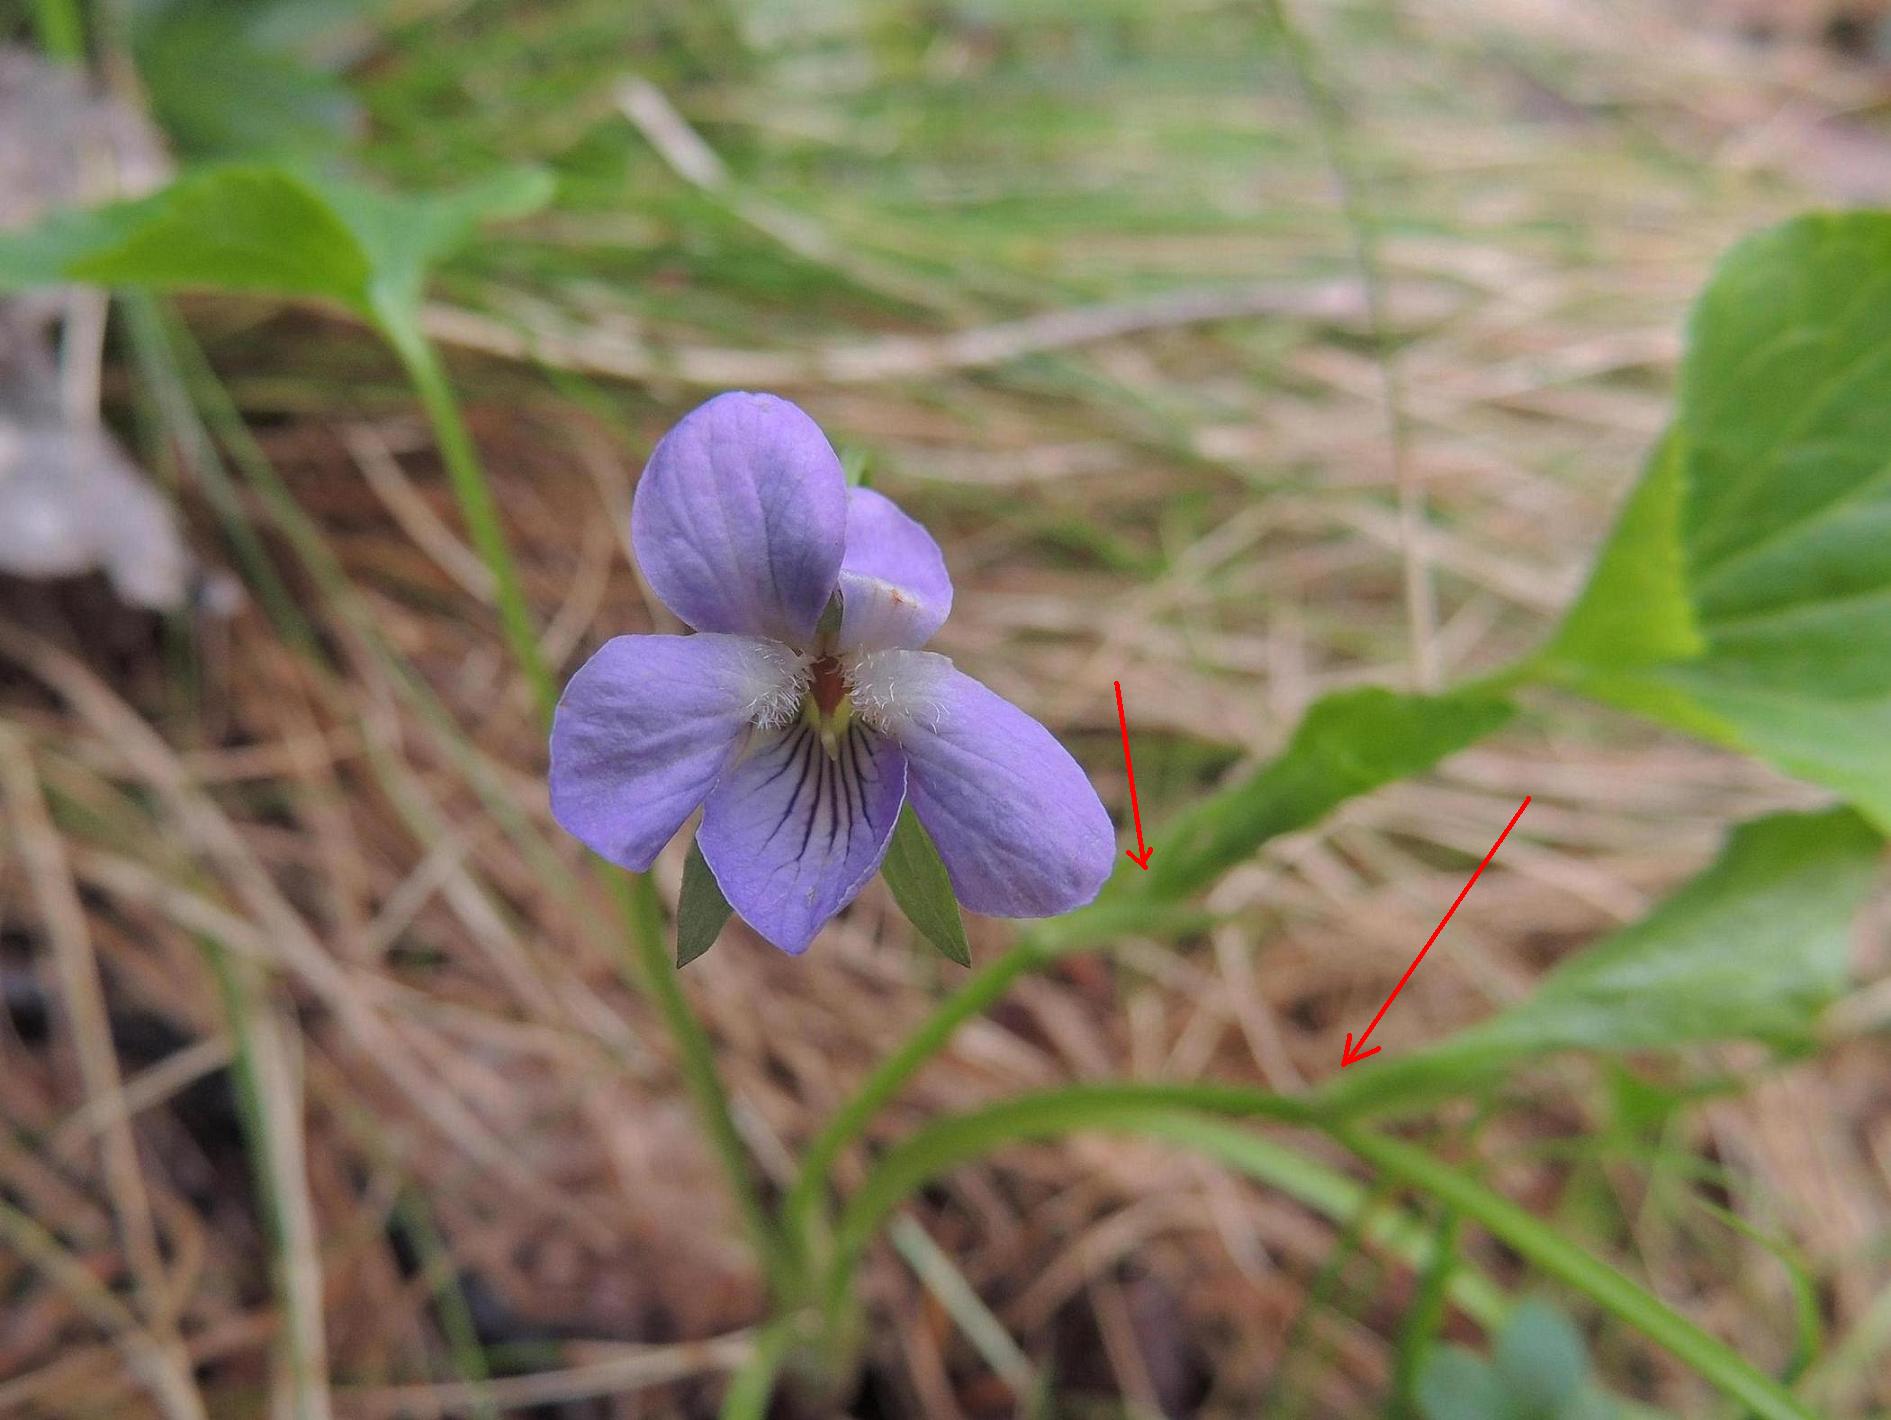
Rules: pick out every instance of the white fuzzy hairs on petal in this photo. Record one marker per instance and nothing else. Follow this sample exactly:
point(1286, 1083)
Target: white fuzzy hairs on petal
point(774, 678)
point(895, 690)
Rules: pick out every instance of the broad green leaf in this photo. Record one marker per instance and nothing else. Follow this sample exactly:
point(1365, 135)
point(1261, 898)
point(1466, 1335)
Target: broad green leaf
point(1635, 609)
point(403, 237)
point(701, 909)
point(261, 228)
point(920, 886)
point(1538, 1371)
point(1348, 743)
point(1763, 527)
point(1541, 1360)
point(1753, 948)
point(230, 229)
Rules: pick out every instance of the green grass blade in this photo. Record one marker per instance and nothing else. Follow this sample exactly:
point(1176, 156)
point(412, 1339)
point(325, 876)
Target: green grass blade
point(1550, 1252)
point(1089, 927)
point(1174, 1112)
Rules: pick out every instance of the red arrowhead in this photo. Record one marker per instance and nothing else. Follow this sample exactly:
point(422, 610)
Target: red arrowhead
point(1141, 856)
point(1352, 1056)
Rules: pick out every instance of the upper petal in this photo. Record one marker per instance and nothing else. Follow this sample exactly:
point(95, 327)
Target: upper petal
point(893, 582)
point(647, 724)
point(739, 520)
point(1017, 823)
point(793, 832)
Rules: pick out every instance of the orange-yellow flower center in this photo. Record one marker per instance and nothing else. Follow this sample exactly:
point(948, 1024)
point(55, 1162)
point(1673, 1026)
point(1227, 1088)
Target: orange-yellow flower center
point(827, 684)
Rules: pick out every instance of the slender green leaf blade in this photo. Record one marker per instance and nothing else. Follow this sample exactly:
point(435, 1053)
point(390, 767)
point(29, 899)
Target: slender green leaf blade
point(701, 909)
point(1348, 744)
point(920, 886)
point(1753, 948)
point(1544, 1246)
point(1169, 1111)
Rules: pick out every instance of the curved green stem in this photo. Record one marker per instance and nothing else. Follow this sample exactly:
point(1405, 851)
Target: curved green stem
point(637, 898)
point(850, 1121)
point(1037, 948)
point(958, 1138)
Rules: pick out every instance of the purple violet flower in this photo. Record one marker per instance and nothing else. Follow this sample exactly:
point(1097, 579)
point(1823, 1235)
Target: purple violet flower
point(800, 733)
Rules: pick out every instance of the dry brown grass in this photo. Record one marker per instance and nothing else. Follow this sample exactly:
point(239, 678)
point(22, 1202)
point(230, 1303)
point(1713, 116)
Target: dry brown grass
point(458, 1093)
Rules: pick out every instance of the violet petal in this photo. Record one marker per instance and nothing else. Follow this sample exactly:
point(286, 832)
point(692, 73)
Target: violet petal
point(793, 833)
point(645, 727)
point(894, 588)
point(1015, 818)
point(739, 520)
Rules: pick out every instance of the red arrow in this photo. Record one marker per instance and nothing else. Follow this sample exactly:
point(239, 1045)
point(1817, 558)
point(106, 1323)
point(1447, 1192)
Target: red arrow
point(1353, 1054)
point(1141, 856)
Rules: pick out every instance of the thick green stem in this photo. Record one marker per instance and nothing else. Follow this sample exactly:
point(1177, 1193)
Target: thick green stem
point(633, 893)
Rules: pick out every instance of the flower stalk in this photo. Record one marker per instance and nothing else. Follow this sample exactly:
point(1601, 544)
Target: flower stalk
point(633, 894)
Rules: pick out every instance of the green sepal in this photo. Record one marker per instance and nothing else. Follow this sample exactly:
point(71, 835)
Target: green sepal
point(701, 909)
point(920, 886)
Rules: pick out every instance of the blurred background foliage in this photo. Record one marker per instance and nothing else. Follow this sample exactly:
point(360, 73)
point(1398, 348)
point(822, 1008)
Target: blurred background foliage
point(1246, 365)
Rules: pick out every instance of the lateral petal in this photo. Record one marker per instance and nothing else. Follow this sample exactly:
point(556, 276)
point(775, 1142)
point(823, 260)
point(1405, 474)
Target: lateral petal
point(1016, 820)
point(645, 727)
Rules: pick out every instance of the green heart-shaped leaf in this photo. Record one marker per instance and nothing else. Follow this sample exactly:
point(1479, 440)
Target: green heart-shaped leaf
point(1538, 1371)
point(1745, 595)
point(263, 228)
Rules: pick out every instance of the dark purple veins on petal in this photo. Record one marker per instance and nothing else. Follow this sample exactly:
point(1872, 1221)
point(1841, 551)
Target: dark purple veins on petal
point(793, 831)
point(802, 753)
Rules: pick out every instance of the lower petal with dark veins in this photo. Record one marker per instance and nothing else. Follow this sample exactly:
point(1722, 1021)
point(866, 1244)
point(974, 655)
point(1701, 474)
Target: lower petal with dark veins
point(795, 830)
